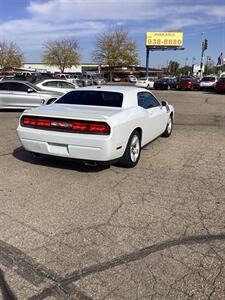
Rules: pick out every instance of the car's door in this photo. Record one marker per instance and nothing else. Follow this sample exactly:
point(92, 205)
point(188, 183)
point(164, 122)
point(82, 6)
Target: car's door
point(157, 115)
point(23, 95)
point(5, 95)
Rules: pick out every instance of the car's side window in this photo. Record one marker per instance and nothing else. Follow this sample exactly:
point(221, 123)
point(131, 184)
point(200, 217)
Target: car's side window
point(147, 100)
point(64, 85)
point(18, 87)
point(51, 83)
point(4, 86)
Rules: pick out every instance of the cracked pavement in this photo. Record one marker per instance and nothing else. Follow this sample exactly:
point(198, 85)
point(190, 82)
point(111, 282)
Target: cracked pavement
point(157, 231)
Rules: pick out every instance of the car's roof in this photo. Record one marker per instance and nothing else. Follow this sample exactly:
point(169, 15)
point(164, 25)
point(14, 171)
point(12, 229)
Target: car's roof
point(54, 79)
point(16, 81)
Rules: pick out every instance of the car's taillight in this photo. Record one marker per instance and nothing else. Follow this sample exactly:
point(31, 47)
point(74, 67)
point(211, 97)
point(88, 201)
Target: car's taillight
point(77, 126)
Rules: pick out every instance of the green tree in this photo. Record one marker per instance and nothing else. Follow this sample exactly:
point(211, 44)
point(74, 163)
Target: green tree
point(115, 49)
point(186, 70)
point(10, 56)
point(61, 53)
point(210, 66)
point(174, 67)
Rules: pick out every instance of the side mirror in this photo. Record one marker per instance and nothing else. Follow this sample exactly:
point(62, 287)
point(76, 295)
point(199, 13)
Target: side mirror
point(164, 103)
point(30, 90)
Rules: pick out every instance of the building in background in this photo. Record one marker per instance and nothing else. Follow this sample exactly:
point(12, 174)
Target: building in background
point(41, 67)
point(121, 72)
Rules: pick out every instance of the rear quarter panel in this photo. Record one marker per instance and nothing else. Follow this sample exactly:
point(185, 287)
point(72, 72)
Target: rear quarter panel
point(124, 123)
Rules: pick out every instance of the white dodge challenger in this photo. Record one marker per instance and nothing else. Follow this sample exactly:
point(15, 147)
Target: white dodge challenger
point(97, 124)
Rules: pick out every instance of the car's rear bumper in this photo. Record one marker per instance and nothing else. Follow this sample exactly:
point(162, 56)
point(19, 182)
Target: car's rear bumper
point(70, 145)
point(183, 87)
point(205, 86)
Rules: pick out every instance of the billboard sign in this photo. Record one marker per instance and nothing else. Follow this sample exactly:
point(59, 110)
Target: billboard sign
point(164, 39)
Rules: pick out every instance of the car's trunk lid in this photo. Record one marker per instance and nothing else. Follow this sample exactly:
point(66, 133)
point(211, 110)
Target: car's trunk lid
point(81, 112)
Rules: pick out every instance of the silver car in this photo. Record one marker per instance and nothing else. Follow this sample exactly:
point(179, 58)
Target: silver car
point(23, 94)
point(98, 80)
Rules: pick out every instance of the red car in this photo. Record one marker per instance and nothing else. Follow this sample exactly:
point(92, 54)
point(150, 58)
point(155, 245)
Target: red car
point(220, 85)
point(188, 84)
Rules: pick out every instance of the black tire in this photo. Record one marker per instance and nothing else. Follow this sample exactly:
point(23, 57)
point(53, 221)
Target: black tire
point(169, 127)
point(127, 161)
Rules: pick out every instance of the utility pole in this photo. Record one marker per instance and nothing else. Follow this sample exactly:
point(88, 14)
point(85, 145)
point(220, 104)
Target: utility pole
point(204, 47)
point(147, 60)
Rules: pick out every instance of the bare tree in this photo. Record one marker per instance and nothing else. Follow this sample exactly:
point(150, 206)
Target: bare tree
point(115, 49)
point(61, 53)
point(10, 56)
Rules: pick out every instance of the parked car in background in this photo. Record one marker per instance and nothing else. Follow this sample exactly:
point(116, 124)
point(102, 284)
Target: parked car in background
point(131, 78)
point(20, 94)
point(78, 79)
point(145, 82)
point(116, 78)
point(87, 80)
point(58, 85)
point(188, 83)
point(165, 83)
point(98, 80)
point(97, 124)
point(220, 85)
point(32, 77)
point(67, 77)
point(25, 73)
point(39, 76)
point(8, 77)
point(208, 82)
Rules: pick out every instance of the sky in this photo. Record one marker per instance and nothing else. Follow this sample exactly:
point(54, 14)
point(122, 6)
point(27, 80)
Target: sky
point(29, 23)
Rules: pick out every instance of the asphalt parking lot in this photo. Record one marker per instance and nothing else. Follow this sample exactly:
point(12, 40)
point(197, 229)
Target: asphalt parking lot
point(153, 232)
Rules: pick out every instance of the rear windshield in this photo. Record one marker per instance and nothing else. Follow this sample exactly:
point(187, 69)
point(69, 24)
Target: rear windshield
point(208, 79)
point(96, 98)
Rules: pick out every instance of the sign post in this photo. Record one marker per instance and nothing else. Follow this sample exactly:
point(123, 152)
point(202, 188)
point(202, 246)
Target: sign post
point(162, 41)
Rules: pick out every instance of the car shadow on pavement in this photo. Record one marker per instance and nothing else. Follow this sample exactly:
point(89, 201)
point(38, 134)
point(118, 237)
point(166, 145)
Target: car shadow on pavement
point(7, 293)
point(56, 162)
